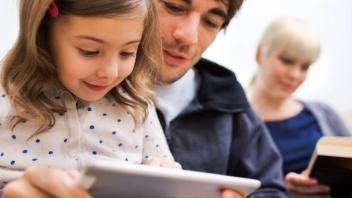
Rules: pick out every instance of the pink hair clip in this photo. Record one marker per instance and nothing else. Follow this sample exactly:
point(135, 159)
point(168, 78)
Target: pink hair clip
point(53, 9)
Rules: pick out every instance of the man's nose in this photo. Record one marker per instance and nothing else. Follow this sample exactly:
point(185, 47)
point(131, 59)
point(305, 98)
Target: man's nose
point(187, 30)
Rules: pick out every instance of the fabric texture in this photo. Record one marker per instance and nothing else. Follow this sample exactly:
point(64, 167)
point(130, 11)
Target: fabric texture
point(101, 129)
point(219, 133)
point(186, 88)
point(329, 121)
point(295, 138)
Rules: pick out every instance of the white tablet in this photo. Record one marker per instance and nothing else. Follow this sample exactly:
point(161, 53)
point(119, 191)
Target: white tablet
point(105, 178)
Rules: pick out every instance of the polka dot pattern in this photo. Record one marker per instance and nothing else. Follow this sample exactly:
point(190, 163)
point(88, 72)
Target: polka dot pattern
point(93, 130)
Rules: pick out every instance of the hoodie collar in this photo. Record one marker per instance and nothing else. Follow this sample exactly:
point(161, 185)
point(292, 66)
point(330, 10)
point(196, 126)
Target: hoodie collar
point(219, 88)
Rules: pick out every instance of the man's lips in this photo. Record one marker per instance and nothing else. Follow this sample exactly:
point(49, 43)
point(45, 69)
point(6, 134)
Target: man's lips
point(173, 57)
point(95, 87)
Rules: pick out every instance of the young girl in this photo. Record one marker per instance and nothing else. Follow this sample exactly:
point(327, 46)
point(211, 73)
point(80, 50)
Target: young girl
point(77, 84)
point(285, 53)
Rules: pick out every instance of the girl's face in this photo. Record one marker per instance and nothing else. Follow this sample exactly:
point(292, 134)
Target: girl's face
point(280, 75)
point(94, 54)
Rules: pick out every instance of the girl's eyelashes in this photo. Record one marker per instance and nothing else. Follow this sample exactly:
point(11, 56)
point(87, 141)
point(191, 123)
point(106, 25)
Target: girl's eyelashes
point(88, 53)
point(93, 53)
point(128, 54)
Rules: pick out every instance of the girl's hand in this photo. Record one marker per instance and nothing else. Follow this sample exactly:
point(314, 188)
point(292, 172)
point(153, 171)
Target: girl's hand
point(159, 162)
point(45, 182)
point(300, 185)
point(230, 194)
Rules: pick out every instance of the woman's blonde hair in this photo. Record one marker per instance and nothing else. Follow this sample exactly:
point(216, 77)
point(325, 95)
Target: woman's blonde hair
point(29, 72)
point(292, 37)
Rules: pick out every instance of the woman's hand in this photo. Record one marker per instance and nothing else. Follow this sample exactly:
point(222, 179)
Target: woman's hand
point(300, 185)
point(159, 162)
point(44, 182)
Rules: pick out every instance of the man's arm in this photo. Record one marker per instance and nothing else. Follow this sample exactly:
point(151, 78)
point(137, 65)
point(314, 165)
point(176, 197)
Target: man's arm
point(254, 155)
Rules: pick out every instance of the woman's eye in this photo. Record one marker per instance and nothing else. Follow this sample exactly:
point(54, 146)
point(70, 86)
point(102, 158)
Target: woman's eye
point(287, 61)
point(305, 67)
point(89, 53)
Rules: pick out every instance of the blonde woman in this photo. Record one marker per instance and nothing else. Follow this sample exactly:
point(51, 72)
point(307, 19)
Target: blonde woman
point(77, 84)
point(284, 55)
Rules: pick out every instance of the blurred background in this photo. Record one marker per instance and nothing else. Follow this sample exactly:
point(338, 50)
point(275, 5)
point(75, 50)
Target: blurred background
point(329, 79)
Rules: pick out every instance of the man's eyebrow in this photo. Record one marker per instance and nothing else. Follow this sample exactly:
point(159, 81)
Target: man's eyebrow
point(217, 11)
point(188, 1)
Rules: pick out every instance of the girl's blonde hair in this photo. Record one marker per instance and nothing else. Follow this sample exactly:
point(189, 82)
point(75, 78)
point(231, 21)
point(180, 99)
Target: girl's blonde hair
point(292, 37)
point(29, 72)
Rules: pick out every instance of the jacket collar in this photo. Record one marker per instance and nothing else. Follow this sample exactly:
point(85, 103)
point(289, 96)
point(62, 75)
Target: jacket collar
point(219, 88)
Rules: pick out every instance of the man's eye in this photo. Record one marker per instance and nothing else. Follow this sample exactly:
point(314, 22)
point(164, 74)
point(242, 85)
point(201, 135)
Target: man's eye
point(211, 24)
point(127, 54)
point(89, 53)
point(174, 8)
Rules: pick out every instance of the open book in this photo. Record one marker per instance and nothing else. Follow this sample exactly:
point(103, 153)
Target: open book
point(331, 162)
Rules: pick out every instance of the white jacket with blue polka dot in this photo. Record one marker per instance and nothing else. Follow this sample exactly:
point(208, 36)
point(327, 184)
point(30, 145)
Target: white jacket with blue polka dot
point(101, 129)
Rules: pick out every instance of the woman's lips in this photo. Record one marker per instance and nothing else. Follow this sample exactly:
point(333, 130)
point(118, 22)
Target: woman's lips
point(287, 87)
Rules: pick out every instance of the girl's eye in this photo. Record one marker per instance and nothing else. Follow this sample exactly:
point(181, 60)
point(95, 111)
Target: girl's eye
point(127, 54)
point(89, 53)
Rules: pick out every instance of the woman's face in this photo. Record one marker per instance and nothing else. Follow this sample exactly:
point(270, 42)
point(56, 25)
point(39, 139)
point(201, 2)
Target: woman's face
point(280, 75)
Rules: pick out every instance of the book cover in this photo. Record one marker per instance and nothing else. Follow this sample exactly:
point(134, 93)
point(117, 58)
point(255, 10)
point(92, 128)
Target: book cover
point(331, 164)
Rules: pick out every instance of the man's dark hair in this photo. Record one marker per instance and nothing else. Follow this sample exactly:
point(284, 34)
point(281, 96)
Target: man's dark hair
point(233, 7)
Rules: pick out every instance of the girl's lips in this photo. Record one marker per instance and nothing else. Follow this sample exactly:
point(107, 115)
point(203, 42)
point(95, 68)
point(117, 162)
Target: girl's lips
point(95, 87)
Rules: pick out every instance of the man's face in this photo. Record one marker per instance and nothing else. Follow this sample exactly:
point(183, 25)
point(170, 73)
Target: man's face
point(188, 27)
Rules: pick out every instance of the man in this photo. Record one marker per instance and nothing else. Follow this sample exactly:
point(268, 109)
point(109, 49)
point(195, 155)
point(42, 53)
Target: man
point(207, 120)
